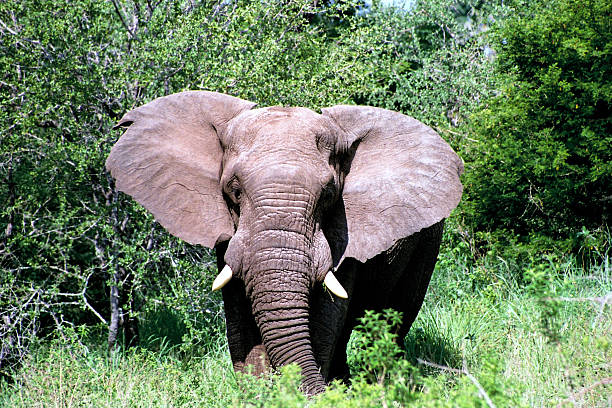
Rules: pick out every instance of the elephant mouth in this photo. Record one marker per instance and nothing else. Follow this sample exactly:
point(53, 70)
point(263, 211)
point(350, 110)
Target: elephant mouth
point(330, 281)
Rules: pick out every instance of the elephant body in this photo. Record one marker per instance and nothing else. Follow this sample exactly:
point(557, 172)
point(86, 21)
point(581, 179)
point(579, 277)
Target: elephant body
point(314, 217)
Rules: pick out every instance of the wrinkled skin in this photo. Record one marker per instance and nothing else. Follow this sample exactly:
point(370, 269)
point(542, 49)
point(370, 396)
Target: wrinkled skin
point(285, 195)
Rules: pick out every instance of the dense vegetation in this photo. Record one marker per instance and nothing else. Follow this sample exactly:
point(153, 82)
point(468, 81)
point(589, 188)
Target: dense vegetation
point(543, 142)
point(519, 304)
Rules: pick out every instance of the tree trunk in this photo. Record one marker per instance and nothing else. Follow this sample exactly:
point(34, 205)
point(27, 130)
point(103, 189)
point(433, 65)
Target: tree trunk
point(113, 327)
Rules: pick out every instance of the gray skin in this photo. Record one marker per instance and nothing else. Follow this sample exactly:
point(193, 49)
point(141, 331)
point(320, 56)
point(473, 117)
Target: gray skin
point(285, 195)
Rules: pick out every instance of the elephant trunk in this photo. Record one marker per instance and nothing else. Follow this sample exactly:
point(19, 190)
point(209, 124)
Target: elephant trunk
point(286, 337)
point(279, 291)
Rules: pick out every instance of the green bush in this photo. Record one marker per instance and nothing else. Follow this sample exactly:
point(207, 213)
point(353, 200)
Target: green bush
point(540, 161)
point(435, 61)
point(376, 358)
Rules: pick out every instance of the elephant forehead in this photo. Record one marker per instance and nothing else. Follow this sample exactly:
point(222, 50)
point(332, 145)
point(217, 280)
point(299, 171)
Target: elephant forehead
point(275, 127)
point(283, 163)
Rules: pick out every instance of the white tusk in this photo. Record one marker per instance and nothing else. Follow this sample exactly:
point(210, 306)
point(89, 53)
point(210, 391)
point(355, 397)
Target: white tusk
point(221, 280)
point(334, 286)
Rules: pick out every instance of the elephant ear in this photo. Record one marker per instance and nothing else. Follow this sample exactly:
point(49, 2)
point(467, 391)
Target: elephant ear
point(169, 160)
point(402, 177)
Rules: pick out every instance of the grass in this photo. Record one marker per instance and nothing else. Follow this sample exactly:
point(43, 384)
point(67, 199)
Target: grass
point(59, 377)
point(543, 342)
point(510, 332)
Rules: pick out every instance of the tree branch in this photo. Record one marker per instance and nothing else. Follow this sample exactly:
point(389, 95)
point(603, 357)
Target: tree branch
point(120, 14)
point(463, 371)
point(582, 391)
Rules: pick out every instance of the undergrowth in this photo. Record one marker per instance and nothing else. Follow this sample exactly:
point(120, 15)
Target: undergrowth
point(489, 334)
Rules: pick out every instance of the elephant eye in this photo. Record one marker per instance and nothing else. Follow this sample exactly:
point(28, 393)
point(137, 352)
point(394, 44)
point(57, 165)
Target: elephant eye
point(328, 194)
point(234, 191)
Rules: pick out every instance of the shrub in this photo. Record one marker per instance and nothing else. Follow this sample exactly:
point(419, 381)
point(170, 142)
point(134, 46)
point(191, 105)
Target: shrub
point(541, 159)
point(435, 61)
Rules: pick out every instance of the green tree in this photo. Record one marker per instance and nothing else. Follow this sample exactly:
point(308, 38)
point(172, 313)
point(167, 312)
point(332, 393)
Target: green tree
point(541, 160)
point(436, 61)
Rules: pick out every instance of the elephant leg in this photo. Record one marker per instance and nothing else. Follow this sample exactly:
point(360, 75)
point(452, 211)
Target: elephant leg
point(243, 336)
point(359, 280)
point(397, 279)
point(416, 277)
point(328, 317)
point(370, 292)
point(339, 368)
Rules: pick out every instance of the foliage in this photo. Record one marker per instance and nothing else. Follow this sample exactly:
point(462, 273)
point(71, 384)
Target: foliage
point(435, 64)
point(541, 158)
point(376, 356)
point(280, 390)
point(375, 338)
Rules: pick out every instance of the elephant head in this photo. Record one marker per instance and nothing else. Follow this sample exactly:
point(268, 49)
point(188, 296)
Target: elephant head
point(295, 193)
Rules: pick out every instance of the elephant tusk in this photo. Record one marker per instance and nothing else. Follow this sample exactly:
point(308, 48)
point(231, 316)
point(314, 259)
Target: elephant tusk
point(221, 280)
point(334, 286)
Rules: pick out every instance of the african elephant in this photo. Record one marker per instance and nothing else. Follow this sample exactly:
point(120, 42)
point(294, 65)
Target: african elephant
point(315, 217)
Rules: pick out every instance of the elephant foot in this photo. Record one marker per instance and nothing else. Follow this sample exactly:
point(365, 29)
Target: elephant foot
point(256, 362)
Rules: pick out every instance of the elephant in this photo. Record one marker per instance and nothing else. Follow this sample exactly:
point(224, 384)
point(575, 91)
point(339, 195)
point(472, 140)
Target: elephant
point(315, 217)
